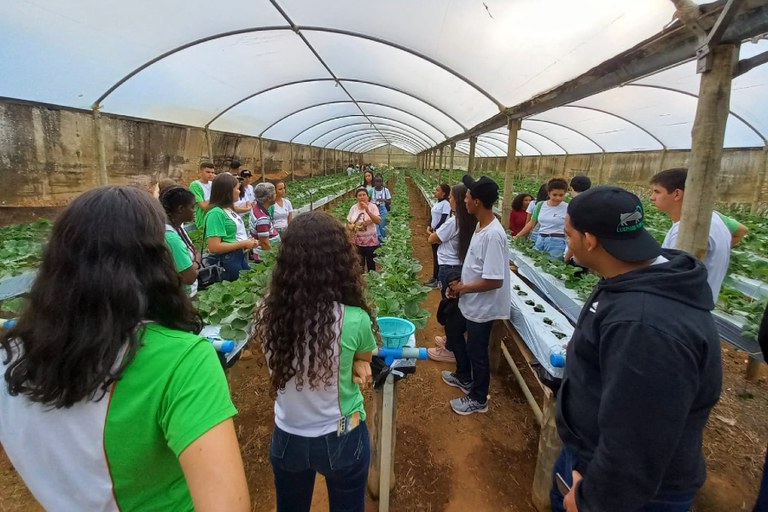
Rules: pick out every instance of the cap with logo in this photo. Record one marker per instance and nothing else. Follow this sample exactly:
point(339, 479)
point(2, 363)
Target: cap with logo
point(245, 173)
point(484, 189)
point(616, 217)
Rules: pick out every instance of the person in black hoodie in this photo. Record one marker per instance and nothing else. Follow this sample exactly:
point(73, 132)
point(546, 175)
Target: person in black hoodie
point(762, 496)
point(643, 368)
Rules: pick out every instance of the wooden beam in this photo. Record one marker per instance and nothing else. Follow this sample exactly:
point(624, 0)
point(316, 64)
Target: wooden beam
point(101, 152)
point(450, 163)
point(762, 176)
point(440, 166)
point(261, 160)
point(510, 169)
point(723, 21)
point(668, 48)
point(706, 151)
point(471, 162)
point(747, 64)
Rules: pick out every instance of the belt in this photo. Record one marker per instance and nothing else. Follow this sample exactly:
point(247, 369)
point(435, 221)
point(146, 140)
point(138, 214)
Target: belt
point(553, 235)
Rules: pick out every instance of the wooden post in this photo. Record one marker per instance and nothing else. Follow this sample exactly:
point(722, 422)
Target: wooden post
point(440, 165)
point(761, 177)
point(753, 369)
point(261, 160)
point(509, 170)
point(100, 147)
point(601, 169)
point(389, 156)
point(374, 423)
point(450, 163)
point(290, 163)
point(324, 161)
point(471, 162)
point(706, 151)
point(549, 449)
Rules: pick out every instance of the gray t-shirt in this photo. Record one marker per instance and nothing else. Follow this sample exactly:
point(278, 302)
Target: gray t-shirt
point(487, 258)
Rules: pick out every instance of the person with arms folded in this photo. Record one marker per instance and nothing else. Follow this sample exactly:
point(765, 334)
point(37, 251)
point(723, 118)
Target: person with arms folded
point(202, 190)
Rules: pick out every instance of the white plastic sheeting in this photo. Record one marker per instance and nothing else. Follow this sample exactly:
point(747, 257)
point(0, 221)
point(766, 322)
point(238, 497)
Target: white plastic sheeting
point(359, 74)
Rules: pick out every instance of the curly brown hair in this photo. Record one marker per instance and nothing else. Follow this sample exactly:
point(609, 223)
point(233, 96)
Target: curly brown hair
point(317, 268)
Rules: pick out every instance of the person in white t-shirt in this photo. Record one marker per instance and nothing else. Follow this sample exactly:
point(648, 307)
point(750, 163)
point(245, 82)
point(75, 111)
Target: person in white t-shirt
point(549, 216)
point(453, 239)
point(248, 194)
point(441, 210)
point(484, 296)
point(668, 192)
point(282, 209)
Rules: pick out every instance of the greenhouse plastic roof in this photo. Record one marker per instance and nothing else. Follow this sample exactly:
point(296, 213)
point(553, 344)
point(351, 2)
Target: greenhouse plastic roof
point(356, 75)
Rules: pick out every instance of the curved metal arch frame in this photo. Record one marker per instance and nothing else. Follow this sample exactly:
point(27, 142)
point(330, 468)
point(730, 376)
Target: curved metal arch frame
point(418, 135)
point(528, 130)
point(481, 150)
point(490, 142)
point(686, 93)
point(370, 135)
point(350, 80)
point(337, 118)
point(316, 105)
point(392, 138)
point(347, 138)
point(428, 142)
point(296, 29)
point(341, 143)
point(379, 105)
point(519, 139)
point(651, 135)
point(366, 145)
point(533, 119)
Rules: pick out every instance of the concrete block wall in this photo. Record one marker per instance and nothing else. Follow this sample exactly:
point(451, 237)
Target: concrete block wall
point(48, 154)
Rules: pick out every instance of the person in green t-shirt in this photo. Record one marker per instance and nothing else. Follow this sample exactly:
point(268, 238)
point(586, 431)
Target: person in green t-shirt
point(317, 333)
point(202, 190)
point(225, 233)
point(737, 229)
point(110, 401)
point(179, 205)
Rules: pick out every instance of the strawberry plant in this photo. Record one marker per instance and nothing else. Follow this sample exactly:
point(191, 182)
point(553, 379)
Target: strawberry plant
point(21, 246)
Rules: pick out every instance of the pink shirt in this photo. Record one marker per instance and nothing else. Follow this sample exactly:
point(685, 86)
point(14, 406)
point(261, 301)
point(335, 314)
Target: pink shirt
point(367, 237)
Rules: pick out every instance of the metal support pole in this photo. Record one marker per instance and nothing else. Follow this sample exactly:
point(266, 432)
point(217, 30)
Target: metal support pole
point(450, 163)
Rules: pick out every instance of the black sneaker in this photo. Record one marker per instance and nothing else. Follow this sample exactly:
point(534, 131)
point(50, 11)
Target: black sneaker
point(432, 283)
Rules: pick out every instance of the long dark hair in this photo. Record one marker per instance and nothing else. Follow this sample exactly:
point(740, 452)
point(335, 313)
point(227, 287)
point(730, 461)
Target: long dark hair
point(365, 184)
point(295, 321)
point(542, 194)
point(221, 190)
point(82, 325)
point(517, 202)
point(465, 221)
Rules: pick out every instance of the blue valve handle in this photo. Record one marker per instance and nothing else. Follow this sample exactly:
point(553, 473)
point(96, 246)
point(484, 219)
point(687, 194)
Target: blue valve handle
point(390, 354)
point(7, 324)
point(557, 360)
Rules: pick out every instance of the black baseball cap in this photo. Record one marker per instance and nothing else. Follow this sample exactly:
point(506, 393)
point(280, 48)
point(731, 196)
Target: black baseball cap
point(616, 217)
point(245, 173)
point(484, 189)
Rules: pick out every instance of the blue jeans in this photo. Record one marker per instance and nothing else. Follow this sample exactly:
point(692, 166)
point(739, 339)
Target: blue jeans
point(662, 502)
point(342, 460)
point(762, 496)
point(472, 358)
point(381, 229)
point(233, 262)
point(442, 276)
point(555, 246)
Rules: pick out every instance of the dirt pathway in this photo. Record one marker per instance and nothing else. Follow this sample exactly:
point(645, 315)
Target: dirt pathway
point(447, 462)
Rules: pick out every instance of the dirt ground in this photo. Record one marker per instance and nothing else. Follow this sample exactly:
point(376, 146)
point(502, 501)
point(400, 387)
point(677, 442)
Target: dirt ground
point(484, 462)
